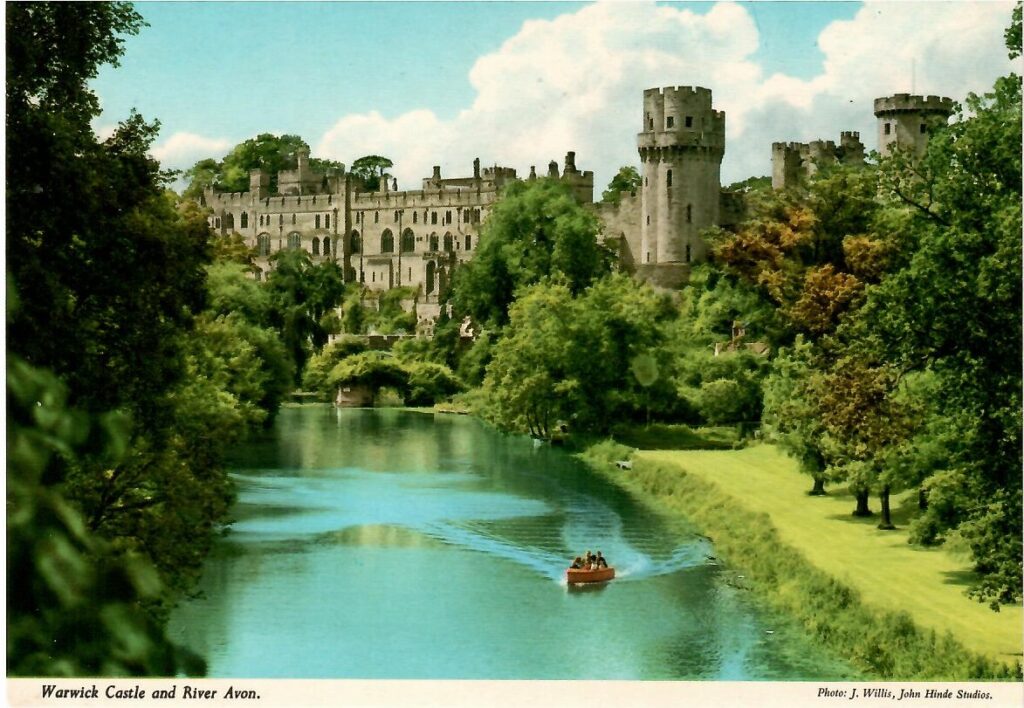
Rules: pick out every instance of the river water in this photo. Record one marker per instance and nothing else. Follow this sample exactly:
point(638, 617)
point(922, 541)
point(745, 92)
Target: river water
point(396, 544)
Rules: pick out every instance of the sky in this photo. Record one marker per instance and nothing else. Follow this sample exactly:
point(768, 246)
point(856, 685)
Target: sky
point(521, 83)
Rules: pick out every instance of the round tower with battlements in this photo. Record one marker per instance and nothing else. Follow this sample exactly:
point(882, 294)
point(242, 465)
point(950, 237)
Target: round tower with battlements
point(904, 121)
point(681, 148)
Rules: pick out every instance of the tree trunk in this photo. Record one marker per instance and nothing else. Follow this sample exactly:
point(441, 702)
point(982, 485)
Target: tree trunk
point(862, 503)
point(819, 487)
point(886, 524)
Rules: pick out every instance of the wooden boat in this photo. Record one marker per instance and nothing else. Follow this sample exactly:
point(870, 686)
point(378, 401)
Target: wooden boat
point(578, 575)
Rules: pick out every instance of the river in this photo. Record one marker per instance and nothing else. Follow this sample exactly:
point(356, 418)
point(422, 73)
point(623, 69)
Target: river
point(397, 544)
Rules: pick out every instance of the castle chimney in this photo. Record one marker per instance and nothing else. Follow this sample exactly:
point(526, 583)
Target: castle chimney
point(476, 168)
point(437, 173)
point(533, 172)
point(570, 162)
point(553, 169)
point(394, 185)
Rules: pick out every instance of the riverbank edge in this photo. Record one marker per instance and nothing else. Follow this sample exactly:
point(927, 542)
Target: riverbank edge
point(881, 644)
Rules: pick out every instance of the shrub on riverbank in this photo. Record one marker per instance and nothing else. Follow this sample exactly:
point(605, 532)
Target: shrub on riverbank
point(884, 644)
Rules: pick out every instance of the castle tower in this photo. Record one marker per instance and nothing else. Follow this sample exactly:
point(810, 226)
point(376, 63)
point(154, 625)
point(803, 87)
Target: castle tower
point(681, 148)
point(904, 121)
point(851, 149)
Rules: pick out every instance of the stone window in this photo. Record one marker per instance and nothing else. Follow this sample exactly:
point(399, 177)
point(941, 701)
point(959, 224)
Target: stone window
point(317, 221)
point(298, 200)
point(668, 178)
point(687, 253)
point(387, 242)
point(245, 220)
point(448, 217)
point(327, 221)
point(469, 242)
point(408, 241)
point(448, 243)
point(888, 128)
point(689, 214)
point(294, 240)
point(433, 242)
point(923, 129)
point(293, 219)
point(329, 196)
point(354, 242)
point(466, 216)
point(396, 215)
point(316, 246)
point(670, 122)
point(263, 244)
point(650, 124)
point(648, 256)
point(433, 217)
point(648, 219)
point(280, 219)
point(376, 217)
point(314, 199)
point(689, 121)
point(327, 246)
point(229, 221)
point(415, 217)
point(409, 279)
point(373, 277)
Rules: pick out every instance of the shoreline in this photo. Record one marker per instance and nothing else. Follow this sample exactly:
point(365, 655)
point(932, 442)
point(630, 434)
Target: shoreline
point(881, 643)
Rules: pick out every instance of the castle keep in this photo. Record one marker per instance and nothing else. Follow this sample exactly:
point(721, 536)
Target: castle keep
point(416, 238)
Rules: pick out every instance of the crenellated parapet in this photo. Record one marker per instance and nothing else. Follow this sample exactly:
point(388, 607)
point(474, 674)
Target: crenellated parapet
point(904, 102)
point(905, 121)
point(680, 118)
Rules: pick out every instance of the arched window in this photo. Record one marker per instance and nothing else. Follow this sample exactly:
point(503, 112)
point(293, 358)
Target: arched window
point(433, 217)
point(396, 215)
point(415, 217)
point(408, 241)
point(327, 221)
point(376, 217)
point(469, 242)
point(316, 221)
point(448, 246)
point(294, 240)
point(245, 220)
point(327, 246)
point(229, 221)
point(433, 242)
point(263, 244)
point(668, 178)
point(387, 242)
point(448, 217)
point(431, 269)
point(354, 242)
point(316, 246)
point(293, 219)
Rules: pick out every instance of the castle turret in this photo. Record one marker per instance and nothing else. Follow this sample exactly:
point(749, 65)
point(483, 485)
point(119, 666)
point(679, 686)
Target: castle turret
point(904, 121)
point(851, 149)
point(786, 164)
point(259, 183)
point(681, 147)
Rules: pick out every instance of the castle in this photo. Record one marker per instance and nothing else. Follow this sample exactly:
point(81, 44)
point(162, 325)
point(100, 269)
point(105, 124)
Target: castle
point(416, 238)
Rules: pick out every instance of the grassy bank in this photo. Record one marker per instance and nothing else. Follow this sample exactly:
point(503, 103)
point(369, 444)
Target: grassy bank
point(891, 609)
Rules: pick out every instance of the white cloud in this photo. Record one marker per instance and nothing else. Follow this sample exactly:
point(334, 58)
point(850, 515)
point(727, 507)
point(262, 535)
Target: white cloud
point(575, 83)
point(182, 149)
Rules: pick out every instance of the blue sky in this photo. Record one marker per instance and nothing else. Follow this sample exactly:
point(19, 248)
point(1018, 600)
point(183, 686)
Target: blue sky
point(440, 82)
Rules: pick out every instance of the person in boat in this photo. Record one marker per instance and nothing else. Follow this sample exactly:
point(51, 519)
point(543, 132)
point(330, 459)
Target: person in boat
point(588, 564)
point(577, 564)
point(600, 562)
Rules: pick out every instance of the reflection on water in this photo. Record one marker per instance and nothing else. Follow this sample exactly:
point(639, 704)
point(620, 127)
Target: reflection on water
point(391, 544)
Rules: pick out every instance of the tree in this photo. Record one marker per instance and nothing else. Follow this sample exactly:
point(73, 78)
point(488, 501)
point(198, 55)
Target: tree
point(953, 308)
point(790, 416)
point(536, 230)
point(627, 179)
point(370, 170)
point(301, 293)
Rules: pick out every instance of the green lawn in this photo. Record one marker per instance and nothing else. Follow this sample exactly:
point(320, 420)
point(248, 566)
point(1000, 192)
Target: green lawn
point(929, 584)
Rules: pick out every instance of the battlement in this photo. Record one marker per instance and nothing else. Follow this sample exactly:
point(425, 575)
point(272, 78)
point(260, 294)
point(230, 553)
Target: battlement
point(849, 135)
point(678, 91)
point(904, 102)
point(784, 147)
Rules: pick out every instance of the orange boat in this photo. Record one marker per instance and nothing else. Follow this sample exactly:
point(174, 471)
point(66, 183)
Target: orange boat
point(579, 575)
